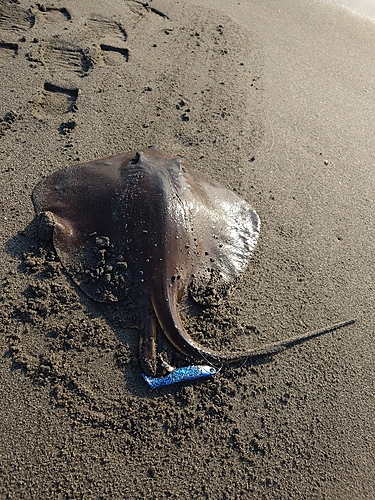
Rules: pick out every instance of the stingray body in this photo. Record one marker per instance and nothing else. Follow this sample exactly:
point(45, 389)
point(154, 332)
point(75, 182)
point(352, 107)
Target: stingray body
point(145, 222)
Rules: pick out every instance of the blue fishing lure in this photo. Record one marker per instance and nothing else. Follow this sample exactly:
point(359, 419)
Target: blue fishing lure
point(180, 375)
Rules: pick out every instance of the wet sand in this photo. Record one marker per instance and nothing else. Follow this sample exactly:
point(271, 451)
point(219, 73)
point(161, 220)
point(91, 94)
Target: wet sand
point(365, 8)
point(290, 86)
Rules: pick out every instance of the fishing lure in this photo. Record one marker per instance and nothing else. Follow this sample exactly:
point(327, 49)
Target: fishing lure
point(191, 372)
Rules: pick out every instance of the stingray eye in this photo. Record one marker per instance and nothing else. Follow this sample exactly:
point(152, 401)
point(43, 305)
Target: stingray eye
point(61, 186)
point(135, 160)
point(58, 188)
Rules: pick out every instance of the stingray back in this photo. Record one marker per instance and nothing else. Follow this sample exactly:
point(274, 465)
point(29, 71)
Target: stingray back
point(94, 208)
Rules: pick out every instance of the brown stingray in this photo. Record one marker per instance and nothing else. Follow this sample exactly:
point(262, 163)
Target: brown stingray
point(147, 222)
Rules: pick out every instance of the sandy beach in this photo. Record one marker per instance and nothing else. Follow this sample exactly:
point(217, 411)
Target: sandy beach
point(275, 100)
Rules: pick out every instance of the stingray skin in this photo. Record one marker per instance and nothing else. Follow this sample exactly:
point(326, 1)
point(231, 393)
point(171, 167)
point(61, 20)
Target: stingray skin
point(145, 222)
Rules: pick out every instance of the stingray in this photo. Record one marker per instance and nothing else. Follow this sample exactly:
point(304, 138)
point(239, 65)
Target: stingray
point(146, 223)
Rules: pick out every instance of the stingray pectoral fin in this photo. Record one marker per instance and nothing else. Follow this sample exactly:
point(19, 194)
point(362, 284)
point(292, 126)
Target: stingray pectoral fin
point(147, 343)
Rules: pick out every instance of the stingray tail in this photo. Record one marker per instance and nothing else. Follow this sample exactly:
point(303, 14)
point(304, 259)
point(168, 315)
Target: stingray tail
point(171, 325)
point(282, 345)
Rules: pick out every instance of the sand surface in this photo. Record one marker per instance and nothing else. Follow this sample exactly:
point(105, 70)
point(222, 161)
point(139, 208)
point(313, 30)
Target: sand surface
point(365, 8)
point(288, 84)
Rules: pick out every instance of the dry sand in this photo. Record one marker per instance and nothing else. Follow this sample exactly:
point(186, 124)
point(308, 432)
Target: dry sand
point(290, 84)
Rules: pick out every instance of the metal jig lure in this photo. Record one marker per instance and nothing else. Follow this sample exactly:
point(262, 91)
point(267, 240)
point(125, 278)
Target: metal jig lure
point(182, 374)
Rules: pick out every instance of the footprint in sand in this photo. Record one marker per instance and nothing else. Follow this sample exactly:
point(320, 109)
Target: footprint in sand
point(56, 100)
point(103, 27)
point(66, 62)
point(57, 103)
point(14, 24)
point(65, 59)
point(52, 14)
point(98, 41)
point(110, 36)
point(8, 50)
point(14, 21)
